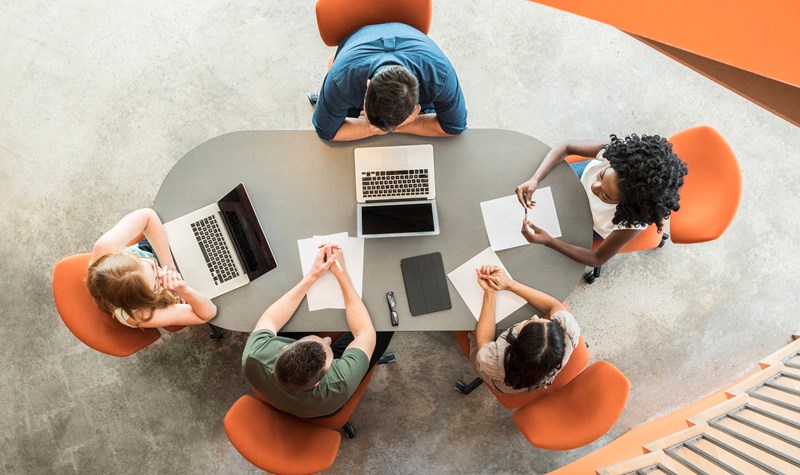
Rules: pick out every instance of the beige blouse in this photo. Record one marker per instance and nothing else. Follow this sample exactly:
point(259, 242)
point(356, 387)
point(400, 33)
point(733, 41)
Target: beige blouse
point(487, 361)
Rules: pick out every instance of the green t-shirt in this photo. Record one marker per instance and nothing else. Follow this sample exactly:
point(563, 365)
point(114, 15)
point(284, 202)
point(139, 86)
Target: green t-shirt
point(334, 389)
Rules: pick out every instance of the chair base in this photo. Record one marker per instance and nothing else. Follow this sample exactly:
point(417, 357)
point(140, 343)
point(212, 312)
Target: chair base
point(387, 358)
point(216, 333)
point(592, 275)
point(349, 430)
point(465, 388)
point(664, 238)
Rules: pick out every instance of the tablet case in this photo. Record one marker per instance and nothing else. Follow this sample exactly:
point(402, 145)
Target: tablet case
point(426, 284)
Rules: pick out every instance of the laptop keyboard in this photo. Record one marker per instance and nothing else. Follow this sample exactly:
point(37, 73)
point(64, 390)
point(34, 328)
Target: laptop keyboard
point(218, 256)
point(394, 183)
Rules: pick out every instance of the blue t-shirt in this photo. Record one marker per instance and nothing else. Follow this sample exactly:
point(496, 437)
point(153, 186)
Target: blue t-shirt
point(374, 46)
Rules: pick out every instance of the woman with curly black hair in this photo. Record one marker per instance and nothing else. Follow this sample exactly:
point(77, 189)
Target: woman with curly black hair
point(631, 183)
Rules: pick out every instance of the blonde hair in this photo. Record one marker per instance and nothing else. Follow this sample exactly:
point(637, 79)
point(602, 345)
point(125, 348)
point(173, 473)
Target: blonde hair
point(116, 281)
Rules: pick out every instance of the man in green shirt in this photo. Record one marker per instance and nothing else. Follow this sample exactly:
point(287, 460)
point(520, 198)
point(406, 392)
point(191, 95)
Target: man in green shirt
point(302, 377)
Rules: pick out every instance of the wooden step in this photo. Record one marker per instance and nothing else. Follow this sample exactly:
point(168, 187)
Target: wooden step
point(788, 355)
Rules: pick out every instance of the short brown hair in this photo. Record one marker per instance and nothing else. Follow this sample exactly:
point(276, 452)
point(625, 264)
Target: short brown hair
point(301, 365)
point(391, 97)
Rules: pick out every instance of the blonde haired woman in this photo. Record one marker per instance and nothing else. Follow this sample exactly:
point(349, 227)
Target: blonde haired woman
point(139, 284)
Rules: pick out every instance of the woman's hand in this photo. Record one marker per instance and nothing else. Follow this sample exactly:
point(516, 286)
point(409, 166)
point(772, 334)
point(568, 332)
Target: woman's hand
point(484, 278)
point(534, 234)
point(500, 279)
point(172, 281)
point(525, 191)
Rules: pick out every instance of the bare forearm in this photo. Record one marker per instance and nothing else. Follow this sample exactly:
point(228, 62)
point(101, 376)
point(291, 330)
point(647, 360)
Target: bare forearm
point(576, 253)
point(544, 302)
point(354, 129)
point(279, 313)
point(484, 332)
point(157, 236)
point(358, 319)
point(426, 125)
point(201, 305)
point(610, 246)
point(556, 155)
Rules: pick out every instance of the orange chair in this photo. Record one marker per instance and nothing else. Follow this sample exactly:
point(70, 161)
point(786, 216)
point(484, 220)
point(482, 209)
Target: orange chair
point(89, 324)
point(336, 19)
point(577, 414)
point(278, 442)
point(577, 361)
point(712, 189)
point(648, 239)
point(282, 443)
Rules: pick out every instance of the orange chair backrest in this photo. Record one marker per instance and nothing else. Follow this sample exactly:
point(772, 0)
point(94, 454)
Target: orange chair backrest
point(278, 442)
point(336, 19)
point(96, 329)
point(712, 189)
point(577, 414)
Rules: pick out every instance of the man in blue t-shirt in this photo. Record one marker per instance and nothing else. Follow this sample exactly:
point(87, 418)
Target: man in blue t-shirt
point(389, 78)
point(308, 376)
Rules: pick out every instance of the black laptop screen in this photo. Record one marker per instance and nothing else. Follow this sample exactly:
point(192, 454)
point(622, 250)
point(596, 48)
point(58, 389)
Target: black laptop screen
point(396, 219)
point(246, 233)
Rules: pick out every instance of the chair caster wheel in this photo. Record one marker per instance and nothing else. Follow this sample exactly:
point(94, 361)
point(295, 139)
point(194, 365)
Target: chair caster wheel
point(664, 239)
point(349, 430)
point(589, 277)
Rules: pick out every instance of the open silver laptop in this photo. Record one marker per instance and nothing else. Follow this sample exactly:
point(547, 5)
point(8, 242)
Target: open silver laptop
point(222, 246)
point(395, 191)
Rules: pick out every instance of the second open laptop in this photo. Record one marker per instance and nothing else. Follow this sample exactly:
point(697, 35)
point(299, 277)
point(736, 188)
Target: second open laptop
point(396, 191)
point(222, 246)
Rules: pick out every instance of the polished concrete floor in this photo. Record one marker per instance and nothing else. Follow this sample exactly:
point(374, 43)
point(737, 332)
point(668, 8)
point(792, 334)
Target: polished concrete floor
point(100, 99)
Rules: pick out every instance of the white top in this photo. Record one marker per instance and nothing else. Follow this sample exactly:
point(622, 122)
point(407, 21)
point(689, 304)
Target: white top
point(602, 213)
point(122, 317)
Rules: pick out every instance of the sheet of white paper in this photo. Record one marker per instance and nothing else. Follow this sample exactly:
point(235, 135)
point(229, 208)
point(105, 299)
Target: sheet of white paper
point(465, 281)
point(325, 293)
point(503, 219)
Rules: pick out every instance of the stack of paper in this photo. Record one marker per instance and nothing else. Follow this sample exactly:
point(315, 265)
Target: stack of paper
point(325, 293)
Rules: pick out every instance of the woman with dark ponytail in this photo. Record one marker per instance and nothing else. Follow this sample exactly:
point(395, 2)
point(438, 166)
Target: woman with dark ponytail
point(528, 355)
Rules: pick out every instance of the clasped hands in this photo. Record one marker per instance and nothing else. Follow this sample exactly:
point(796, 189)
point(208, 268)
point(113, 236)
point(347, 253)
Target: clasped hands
point(169, 279)
point(329, 258)
point(493, 278)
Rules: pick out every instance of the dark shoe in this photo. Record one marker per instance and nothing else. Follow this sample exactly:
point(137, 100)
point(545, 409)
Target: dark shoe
point(387, 358)
point(313, 96)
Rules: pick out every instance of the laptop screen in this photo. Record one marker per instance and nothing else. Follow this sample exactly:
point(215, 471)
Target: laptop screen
point(246, 233)
point(397, 218)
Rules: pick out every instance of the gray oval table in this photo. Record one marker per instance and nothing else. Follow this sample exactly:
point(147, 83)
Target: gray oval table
point(302, 186)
